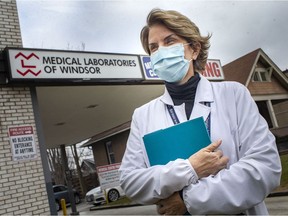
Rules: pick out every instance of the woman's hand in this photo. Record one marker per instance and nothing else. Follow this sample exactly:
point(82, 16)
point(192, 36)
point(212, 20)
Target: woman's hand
point(172, 205)
point(208, 161)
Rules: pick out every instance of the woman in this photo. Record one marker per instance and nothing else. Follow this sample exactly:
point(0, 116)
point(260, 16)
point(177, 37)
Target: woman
point(233, 175)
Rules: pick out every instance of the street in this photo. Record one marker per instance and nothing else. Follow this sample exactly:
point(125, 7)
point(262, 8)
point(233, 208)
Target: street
point(276, 206)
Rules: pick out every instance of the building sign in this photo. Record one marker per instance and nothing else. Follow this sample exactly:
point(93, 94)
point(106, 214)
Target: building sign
point(213, 69)
point(36, 65)
point(147, 68)
point(58, 66)
point(22, 143)
point(108, 175)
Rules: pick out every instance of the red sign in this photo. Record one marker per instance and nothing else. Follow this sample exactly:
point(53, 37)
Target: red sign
point(24, 130)
point(213, 70)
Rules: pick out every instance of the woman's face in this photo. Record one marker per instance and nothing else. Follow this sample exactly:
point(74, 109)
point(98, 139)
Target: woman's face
point(159, 35)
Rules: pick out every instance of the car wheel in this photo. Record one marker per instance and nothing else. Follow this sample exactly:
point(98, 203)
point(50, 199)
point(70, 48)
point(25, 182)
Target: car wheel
point(58, 206)
point(113, 195)
point(77, 198)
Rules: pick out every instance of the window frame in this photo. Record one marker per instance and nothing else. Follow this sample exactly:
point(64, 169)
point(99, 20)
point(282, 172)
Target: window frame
point(110, 152)
point(261, 73)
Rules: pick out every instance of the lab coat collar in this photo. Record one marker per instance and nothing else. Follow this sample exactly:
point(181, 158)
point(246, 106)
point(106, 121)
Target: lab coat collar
point(166, 98)
point(204, 91)
point(203, 94)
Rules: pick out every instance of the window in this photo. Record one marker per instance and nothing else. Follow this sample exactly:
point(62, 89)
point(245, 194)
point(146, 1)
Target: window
point(256, 77)
point(262, 75)
point(110, 153)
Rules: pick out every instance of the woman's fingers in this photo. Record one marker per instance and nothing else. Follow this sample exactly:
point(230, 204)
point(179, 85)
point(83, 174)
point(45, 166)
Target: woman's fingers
point(213, 146)
point(208, 160)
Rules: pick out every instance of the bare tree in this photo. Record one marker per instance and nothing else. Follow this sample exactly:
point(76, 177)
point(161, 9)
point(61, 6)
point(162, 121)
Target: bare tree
point(54, 159)
point(78, 168)
point(80, 47)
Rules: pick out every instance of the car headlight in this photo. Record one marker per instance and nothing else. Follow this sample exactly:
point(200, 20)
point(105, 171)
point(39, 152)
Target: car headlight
point(90, 198)
point(99, 192)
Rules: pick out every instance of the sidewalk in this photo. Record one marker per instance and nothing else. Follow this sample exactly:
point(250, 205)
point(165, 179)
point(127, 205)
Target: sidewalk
point(132, 204)
point(275, 202)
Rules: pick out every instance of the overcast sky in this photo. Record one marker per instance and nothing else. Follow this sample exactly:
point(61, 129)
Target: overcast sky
point(238, 27)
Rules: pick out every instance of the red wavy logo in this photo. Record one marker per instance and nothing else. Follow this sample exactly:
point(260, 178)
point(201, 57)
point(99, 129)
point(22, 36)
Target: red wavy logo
point(25, 64)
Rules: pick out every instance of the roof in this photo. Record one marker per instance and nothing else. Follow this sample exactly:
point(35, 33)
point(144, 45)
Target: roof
point(89, 163)
point(108, 133)
point(286, 72)
point(239, 69)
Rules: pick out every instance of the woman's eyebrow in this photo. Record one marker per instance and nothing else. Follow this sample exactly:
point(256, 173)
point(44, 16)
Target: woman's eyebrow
point(151, 44)
point(169, 36)
point(165, 39)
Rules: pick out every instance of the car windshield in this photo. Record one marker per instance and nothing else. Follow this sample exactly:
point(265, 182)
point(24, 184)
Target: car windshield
point(59, 189)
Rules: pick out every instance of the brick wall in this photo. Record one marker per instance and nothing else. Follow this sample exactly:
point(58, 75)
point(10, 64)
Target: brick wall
point(265, 88)
point(23, 189)
point(9, 25)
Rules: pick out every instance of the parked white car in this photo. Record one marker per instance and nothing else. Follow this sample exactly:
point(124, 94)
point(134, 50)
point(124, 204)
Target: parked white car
point(96, 196)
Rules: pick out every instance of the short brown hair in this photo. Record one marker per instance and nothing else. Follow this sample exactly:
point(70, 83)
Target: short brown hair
point(181, 26)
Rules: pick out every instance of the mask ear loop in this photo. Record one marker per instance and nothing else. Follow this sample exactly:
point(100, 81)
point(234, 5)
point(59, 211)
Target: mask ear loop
point(184, 44)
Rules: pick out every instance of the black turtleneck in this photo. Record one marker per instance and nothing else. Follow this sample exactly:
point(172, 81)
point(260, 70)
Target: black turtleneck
point(184, 93)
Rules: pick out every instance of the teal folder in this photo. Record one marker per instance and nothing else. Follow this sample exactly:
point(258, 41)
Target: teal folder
point(178, 141)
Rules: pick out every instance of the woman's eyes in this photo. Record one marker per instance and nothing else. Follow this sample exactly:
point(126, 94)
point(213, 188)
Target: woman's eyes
point(153, 48)
point(167, 42)
point(170, 41)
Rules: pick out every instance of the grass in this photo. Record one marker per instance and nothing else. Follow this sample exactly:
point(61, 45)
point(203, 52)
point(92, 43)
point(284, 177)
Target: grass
point(284, 178)
point(121, 201)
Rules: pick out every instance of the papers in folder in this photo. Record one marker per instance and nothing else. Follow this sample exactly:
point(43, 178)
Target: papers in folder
point(179, 141)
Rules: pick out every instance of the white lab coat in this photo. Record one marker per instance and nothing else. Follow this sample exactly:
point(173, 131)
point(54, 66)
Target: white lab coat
point(254, 167)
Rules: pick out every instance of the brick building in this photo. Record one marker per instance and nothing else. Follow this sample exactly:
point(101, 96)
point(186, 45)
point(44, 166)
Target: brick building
point(23, 187)
point(23, 190)
point(269, 88)
point(109, 146)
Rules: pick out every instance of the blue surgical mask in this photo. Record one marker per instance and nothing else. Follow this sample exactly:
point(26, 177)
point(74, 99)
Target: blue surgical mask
point(169, 63)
